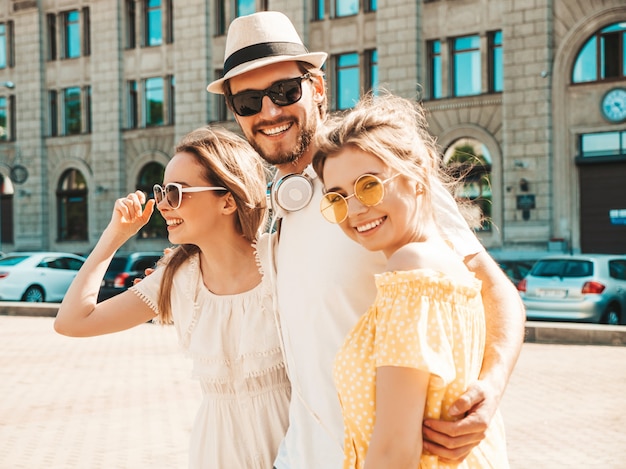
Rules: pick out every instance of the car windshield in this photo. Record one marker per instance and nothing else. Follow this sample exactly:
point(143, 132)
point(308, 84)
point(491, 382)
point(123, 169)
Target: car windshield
point(117, 264)
point(562, 268)
point(12, 260)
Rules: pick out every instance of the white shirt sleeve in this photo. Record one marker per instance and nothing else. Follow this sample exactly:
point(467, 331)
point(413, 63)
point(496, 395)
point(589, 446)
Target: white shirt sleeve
point(453, 226)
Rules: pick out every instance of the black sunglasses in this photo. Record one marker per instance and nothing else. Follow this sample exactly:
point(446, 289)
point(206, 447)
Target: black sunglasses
point(282, 93)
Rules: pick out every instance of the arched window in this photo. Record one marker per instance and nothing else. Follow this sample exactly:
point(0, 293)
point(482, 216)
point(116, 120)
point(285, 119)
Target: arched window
point(72, 206)
point(603, 56)
point(6, 210)
point(469, 160)
point(152, 174)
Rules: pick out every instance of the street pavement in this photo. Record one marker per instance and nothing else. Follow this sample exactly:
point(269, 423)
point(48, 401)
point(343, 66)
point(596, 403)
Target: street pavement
point(127, 401)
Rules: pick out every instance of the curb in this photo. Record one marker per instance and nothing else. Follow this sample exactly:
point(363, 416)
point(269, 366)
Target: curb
point(20, 308)
point(574, 333)
point(536, 332)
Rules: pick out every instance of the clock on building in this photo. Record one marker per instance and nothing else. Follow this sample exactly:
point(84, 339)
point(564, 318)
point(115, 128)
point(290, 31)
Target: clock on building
point(614, 105)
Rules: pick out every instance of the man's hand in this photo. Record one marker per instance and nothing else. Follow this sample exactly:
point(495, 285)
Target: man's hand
point(453, 441)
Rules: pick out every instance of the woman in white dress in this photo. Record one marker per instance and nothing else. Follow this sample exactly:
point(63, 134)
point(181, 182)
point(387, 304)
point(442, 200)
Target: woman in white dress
point(211, 286)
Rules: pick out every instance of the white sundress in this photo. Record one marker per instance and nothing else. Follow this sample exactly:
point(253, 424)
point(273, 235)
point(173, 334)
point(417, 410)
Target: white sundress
point(234, 344)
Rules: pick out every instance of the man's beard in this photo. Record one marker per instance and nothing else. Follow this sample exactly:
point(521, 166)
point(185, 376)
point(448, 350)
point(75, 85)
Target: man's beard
point(291, 155)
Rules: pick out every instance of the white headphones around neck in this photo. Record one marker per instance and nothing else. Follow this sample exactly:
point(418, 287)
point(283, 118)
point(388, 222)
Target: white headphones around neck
point(292, 192)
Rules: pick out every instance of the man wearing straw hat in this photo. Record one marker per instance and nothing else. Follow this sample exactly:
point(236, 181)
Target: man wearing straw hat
point(324, 281)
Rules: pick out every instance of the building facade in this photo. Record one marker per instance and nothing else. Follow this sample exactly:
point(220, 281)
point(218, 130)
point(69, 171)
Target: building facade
point(526, 97)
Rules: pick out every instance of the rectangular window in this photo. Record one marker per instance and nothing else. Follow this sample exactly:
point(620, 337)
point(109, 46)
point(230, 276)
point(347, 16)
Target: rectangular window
point(319, 11)
point(435, 72)
point(609, 52)
point(171, 102)
point(220, 18)
point(496, 67)
point(71, 34)
point(10, 52)
point(4, 118)
point(53, 113)
point(372, 70)
point(51, 21)
point(132, 115)
point(169, 22)
point(87, 101)
point(3, 45)
point(346, 7)
point(86, 32)
point(221, 110)
point(347, 80)
point(72, 117)
point(153, 23)
point(153, 102)
point(244, 7)
point(370, 5)
point(603, 144)
point(130, 29)
point(7, 118)
point(466, 66)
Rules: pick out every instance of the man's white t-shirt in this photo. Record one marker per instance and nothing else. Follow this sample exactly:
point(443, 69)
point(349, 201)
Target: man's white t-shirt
point(325, 282)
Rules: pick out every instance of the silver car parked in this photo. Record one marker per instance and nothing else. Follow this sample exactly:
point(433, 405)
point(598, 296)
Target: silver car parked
point(579, 287)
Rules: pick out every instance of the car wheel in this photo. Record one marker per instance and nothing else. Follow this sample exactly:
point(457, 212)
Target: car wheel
point(611, 316)
point(33, 295)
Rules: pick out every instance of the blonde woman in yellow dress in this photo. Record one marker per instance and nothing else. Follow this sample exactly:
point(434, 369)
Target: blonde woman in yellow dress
point(421, 343)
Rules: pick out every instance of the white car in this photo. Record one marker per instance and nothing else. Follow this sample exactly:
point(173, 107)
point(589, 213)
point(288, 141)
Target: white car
point(37, 276)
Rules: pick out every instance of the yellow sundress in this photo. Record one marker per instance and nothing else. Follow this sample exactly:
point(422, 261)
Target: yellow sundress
point(424, 320)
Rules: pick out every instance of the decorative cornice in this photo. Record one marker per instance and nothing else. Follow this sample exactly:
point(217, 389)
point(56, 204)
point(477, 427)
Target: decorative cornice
point(438, 106)
point(19, 5)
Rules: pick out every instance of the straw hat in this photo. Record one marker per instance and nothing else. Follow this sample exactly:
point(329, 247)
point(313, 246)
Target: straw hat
point(261, 39)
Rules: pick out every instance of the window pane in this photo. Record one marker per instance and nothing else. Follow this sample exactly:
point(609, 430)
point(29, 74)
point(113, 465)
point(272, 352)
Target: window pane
point(72, 35)
point(245, 7)
point(154, 33)
point(436, 88)
point(470, 160)
point(586, 66)
point(601, 144)
point(373, 57)
point(346, 7)
point(53, 112)
point(154, 101)
point(72, 111)
point(348, 80)
point(609, 58)
point(467, 66)
point(3, 45)
point(318, 10)
point(4, 131)
point(496, 62)
point(72, 206)
point(130, 23)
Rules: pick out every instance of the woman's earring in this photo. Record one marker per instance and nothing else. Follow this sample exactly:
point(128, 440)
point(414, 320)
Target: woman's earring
point(419, 189)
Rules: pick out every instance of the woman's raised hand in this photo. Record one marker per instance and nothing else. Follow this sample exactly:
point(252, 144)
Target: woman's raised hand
point(130, 214)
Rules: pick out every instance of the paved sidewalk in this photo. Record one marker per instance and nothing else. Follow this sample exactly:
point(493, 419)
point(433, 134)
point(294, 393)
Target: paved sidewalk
point(127, 401)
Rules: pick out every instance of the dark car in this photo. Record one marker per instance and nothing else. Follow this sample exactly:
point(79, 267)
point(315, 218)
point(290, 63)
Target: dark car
point(123, 271)
point(516, 269)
